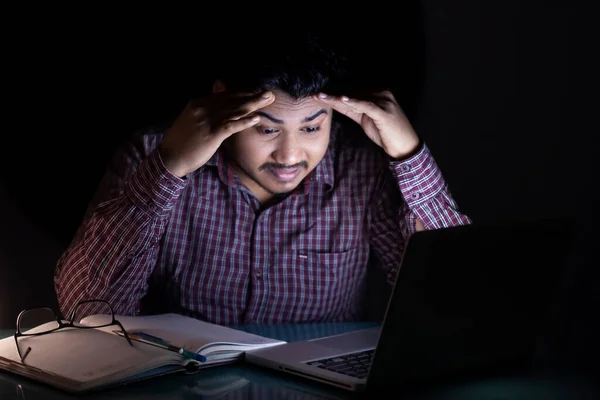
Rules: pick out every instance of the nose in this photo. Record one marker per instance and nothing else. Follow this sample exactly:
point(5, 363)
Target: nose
point(287, 151)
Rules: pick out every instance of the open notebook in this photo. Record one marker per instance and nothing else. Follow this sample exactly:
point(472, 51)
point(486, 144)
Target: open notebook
point(79, 360)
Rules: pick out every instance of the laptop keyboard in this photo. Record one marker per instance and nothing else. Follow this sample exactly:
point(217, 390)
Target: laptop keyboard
point(354, 364)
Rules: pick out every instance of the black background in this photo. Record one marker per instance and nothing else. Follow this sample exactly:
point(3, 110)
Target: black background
point(503, 92)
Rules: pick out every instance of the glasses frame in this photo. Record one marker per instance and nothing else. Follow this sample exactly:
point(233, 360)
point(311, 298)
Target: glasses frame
point(61, 324)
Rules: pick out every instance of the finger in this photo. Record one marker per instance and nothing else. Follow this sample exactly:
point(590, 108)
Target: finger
point(349, 106)
point(248, 106)
point(336, 104)
point(224, 99)
point(385, 95)
point(384, 99)
point(221, 99)
point(252, 98)
point(364, 106)
point(233, 126)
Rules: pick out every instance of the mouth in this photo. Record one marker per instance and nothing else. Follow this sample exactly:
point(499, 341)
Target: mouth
point(285, 174)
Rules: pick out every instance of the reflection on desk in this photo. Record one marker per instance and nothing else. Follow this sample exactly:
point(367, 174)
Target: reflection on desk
point(242, 381)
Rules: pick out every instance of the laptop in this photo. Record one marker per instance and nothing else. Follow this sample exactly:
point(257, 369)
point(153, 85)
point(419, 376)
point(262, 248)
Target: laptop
point(467, 300)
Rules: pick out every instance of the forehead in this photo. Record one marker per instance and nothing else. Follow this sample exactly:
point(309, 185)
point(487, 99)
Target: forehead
point(292, 110)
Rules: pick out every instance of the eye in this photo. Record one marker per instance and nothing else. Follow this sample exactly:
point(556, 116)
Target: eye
point(312, 129)
point(266, 131)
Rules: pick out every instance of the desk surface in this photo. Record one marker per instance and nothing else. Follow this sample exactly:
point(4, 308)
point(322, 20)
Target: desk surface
point(242, 381)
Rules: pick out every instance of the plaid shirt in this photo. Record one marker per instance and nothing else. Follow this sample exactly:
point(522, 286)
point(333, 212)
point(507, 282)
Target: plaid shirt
point(205, 246)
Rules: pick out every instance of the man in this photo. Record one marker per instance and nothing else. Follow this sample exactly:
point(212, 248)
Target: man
point(261, 202)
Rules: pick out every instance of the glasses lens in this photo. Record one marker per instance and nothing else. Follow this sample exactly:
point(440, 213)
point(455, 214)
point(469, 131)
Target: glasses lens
point(93, 314)
point(37, 320)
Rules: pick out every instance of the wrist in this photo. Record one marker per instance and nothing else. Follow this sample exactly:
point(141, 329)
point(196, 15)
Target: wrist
point(406, 150)
point(171, 162)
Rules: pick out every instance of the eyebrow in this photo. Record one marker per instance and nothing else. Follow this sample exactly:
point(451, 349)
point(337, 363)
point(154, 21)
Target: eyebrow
point(279, 121)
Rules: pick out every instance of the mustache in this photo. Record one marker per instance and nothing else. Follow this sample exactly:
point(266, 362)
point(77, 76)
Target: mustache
point(301, 164)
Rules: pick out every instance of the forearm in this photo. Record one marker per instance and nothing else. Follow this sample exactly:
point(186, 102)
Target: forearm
point(420, 193)
point(115, 249)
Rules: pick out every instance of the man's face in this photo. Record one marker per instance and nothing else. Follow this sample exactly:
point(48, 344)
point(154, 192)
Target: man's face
point(275, 155)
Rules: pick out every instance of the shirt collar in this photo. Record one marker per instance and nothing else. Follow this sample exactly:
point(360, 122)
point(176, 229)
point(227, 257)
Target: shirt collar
point(323, 172)
point(219, 161)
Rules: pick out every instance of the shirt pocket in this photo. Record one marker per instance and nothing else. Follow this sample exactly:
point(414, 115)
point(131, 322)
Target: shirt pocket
point(321, 286)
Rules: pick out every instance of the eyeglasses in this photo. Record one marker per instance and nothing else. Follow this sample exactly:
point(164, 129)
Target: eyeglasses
point(42, 320)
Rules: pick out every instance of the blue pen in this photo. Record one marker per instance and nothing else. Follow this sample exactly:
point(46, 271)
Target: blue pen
point(145, 337)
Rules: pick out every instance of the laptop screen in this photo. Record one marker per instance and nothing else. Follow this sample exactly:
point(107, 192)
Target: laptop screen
point(469, 300)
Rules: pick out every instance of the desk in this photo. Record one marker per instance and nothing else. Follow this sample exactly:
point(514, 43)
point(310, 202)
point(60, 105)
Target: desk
point(252, 382)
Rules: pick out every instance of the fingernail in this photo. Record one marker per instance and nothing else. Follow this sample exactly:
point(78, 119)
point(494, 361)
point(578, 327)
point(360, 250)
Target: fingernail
point(266, 95)
point(255, 119)
point(322, 95)
point(345, 99)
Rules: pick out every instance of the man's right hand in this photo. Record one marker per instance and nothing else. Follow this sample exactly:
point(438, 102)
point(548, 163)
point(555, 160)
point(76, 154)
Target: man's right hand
point(204, 124)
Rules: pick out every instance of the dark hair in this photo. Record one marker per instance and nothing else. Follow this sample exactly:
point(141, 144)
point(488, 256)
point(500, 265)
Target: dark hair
point(300, 64)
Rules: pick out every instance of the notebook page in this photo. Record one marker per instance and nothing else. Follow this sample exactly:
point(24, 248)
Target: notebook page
point(189, 333)
point(83, 355)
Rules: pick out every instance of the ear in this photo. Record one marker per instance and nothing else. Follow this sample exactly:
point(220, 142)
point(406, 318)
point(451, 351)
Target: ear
point(218, 86)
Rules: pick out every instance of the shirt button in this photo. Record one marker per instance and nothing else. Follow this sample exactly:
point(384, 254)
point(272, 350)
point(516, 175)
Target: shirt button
point(415, 195)
point(405, 167)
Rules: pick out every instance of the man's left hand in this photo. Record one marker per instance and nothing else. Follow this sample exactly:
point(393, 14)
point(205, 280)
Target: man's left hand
point(381, 118)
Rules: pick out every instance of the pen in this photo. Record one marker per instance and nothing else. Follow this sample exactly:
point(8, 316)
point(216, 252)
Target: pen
point(145, 337)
